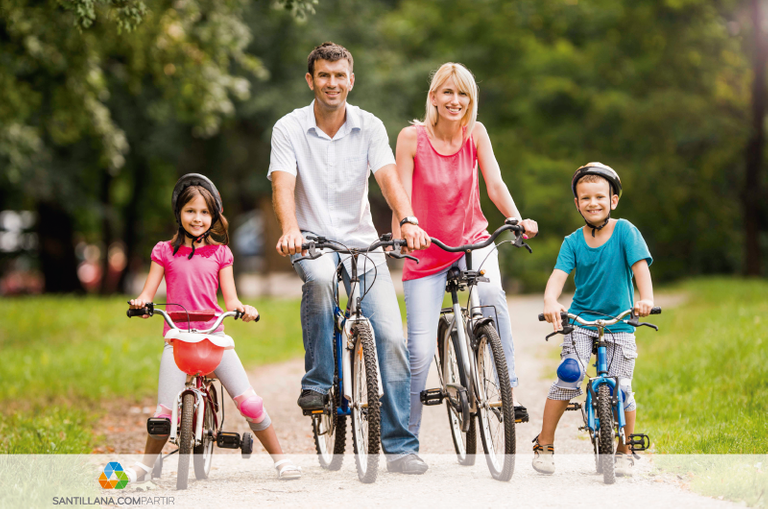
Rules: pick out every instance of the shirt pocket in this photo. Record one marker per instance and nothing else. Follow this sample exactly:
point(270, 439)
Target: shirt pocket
point(352, 175)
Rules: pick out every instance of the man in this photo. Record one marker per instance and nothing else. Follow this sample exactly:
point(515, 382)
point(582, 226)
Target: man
point(321, 158)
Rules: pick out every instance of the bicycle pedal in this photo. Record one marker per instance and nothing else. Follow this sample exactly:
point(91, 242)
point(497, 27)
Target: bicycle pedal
point(430, 397)
point(639, 442)
point(573, 406)
point(158, 426)
point(228, 440)
point(315, 411)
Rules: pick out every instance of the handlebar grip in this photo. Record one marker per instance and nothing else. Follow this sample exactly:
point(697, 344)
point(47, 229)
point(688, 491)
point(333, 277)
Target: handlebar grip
point(238, 314)
point(541, 317)
point(138, 312)
point(656, 311)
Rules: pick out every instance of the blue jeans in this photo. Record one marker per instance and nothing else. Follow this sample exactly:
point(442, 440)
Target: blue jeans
point(381, 308)
point(423, 300)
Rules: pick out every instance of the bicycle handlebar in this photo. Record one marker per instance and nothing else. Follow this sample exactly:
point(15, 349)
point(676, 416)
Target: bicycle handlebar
point(386, 240)
point(510, 225)
point(149, 309)
point(568, 328)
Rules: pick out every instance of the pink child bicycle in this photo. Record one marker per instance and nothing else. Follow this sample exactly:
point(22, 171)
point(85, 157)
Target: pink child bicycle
point(197, 353)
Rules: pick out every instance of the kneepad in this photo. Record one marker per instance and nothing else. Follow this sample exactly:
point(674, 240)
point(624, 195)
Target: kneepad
point(625, 386)
point(570, 372)
point(251, 406)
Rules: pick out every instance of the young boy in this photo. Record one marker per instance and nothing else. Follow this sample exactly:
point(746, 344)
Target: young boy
point(605, 253)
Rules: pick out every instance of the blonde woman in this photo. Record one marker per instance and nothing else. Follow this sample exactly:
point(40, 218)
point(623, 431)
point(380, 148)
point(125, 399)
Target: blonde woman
point(437, 161)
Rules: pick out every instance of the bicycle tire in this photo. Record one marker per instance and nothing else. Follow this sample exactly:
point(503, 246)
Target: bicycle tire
point(204, 452)
point(185, 440)
point(497, 423)
point(366, 417)
point(605, 445)
point(465, 444)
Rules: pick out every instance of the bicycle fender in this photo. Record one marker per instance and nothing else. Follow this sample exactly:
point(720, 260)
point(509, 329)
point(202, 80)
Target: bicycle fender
point(483, 321)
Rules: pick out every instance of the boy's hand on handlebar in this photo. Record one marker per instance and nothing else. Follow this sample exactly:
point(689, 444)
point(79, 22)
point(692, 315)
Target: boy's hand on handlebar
point(643, 307)
point(290, 243)
point(552, 312)
point(531, 229)
point(416, 238)
point(249, 313)
point(138, 304)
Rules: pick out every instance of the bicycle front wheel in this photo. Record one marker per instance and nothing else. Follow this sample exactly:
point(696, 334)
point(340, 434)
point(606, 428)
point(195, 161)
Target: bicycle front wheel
point(204, 451)
point(186, 440)
point(366, 416)
point(495, 409)
point(465, 444)
point(605, 441)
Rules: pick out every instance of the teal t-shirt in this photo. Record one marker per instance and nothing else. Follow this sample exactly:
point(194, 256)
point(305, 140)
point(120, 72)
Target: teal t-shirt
point(604, 274)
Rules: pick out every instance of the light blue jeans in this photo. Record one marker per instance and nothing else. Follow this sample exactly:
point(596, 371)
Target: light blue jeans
point(423, 301)
point(381, 308)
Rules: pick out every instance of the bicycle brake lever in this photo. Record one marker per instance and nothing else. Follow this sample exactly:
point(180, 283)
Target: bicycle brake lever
point(634, 321)
point(520, 242)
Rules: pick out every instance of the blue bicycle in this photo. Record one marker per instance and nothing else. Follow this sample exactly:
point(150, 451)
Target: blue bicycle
point(603, 410)
point(357, 380)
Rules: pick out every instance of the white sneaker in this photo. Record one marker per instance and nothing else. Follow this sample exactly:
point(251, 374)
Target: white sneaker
point(544, 458)
point(624, 464)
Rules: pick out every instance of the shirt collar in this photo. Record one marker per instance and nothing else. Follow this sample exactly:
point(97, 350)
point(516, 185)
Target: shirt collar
point(352, 120)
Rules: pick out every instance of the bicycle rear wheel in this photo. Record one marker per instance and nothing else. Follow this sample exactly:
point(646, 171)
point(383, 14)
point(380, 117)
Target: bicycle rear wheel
point(496, 410)
point(605, 441)
point(329, 430)
point(366, 416)
point(204, 451)
point(186, 440)
point(465, 444)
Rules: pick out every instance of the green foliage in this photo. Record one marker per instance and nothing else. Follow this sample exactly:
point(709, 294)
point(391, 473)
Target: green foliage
point(702, 380)
point(63, 355)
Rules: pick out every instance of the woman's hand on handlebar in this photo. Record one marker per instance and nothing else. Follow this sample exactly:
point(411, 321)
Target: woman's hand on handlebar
point(531, 229)
point(139, 303)
point(643, 307)
point(552, 310)
point(250, 313)
point(415, 237)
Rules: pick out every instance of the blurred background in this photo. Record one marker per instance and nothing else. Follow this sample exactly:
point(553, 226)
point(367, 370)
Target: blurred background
point(105, 104)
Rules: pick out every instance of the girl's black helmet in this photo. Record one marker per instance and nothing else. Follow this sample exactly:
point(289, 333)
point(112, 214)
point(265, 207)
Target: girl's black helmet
point(195, 179)
point(601, 170)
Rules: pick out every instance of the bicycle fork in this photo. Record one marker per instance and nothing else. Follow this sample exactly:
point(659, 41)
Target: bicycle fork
point(199, 414)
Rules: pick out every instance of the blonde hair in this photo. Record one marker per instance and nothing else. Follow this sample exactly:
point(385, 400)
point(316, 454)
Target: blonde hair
point(465, 82)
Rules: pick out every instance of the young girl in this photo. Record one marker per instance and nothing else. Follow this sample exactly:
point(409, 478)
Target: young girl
point(437, 160)
point(195, 263)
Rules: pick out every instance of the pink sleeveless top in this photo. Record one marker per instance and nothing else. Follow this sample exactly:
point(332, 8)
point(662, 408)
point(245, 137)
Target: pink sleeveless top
point(446, 199)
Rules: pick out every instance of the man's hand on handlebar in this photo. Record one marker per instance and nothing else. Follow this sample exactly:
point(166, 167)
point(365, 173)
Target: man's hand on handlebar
point(643, 307)
point(552, 310)
point(416, 238)
point(290, 243)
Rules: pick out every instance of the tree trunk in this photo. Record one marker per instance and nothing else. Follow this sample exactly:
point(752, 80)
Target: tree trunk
point(754, 159)
point(57, 250)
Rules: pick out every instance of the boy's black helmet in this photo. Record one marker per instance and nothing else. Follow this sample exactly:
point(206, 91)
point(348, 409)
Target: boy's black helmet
point(601, 170)
point(195, 179)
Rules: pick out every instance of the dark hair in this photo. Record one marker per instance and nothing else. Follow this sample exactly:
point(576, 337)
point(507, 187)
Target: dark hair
point(328, 51)
point(219, 228)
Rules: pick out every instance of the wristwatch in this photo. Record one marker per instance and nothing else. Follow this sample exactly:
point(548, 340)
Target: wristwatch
point(409, 219)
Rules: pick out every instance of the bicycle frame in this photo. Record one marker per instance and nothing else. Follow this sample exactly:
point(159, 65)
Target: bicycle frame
point(592, 422)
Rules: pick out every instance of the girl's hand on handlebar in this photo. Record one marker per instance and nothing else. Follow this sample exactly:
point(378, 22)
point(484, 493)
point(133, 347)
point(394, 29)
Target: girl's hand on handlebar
point(139, 303)
point(531, 229)
point(643, 307)
point(552, 312)
point(249, 313)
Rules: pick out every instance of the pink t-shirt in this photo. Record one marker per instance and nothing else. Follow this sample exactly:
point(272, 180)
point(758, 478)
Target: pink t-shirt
point(192, 283)
point(446, 198)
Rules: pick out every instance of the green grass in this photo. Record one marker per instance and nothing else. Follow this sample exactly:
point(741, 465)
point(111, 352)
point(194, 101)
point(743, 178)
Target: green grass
point(63, 355)
point(702, 381)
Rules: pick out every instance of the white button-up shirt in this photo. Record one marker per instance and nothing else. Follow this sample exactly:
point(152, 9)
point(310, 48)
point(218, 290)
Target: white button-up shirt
point(331, 191)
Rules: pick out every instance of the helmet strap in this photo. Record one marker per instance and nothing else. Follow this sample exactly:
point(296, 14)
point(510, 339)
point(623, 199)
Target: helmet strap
point(596, 228)
point(195, 240)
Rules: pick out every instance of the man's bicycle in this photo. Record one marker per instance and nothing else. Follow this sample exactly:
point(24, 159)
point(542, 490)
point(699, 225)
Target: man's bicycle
point(197, 353)
point(603, 410)
point(357, 384)
point(474, 379)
